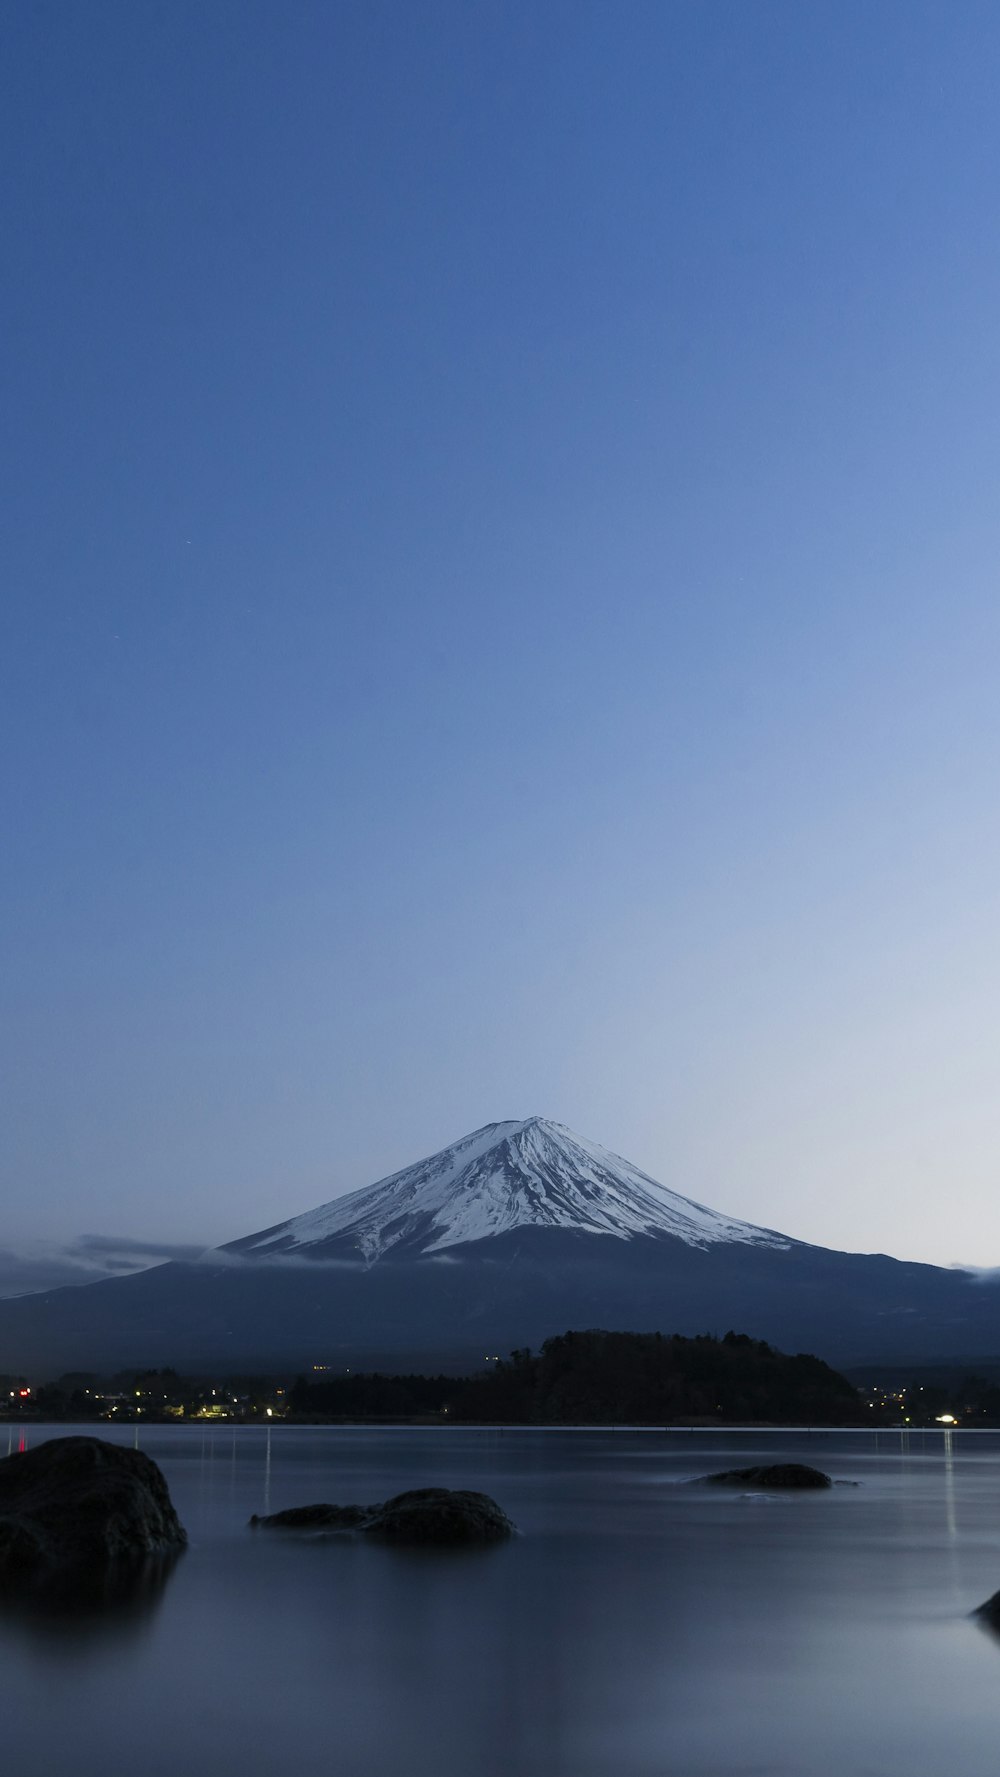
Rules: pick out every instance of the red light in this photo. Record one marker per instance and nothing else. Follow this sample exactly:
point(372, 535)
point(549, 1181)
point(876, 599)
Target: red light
point(24, 1392)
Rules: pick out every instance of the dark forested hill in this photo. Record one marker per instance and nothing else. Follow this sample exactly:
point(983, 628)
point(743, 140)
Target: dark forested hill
point(610, 1379)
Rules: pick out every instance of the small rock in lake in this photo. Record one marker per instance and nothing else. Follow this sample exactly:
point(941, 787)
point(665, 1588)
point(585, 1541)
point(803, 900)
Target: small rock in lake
point(318, 1517)
point(78, 1505)
point(439, 1515)
point(775, 1474)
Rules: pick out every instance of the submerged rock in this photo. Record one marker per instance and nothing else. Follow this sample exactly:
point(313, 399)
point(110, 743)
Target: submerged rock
point(107, 1601)
point(74, 1506)
point(775, 1474)
point(442, 1515)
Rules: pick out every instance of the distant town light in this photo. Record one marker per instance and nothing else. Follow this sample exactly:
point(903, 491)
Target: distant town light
point(946, 1419)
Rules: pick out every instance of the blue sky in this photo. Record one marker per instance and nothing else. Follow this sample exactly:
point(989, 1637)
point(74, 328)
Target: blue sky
point(500, 561)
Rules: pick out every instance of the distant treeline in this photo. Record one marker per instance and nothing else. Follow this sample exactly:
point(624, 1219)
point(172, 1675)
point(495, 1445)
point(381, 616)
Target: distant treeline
point(606, 1379)
point(583, 1378)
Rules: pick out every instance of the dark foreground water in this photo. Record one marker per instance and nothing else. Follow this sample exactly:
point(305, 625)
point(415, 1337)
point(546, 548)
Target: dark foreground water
point(636, 1626)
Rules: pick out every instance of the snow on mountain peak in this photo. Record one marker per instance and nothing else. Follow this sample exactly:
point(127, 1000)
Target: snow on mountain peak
point(503, 1176)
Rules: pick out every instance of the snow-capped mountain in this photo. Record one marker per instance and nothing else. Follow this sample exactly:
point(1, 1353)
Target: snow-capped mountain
point(514, 1233)
point(505, 1176)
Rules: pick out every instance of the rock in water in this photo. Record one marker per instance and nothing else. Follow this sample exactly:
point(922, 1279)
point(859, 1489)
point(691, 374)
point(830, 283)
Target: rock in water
point(80, 1504)
point(424, 1515)
point(990, 1612)
point(775, 1474)
point(440, 1515)
point(317, 1517)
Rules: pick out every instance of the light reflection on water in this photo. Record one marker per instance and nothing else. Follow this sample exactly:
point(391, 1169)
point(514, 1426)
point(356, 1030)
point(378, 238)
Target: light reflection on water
point(637, 1626)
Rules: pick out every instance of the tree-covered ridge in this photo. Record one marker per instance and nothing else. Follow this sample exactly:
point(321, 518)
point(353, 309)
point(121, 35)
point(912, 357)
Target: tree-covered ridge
point(609, 1379)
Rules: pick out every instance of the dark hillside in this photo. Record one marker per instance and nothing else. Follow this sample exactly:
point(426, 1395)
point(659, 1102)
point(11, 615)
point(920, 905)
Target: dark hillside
point(610, 1379)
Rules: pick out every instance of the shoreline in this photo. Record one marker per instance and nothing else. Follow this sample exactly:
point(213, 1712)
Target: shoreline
point(98, 1427)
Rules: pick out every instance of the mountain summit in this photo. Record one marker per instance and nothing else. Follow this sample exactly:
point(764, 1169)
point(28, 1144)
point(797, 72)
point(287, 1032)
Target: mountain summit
point(501, 1177)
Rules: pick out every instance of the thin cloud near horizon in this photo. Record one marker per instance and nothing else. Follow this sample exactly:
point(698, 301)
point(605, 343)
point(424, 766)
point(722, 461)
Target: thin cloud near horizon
point(89, 1258)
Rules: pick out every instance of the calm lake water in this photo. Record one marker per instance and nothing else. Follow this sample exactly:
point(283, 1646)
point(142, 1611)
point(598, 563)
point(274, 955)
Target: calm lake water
point(637, 1625)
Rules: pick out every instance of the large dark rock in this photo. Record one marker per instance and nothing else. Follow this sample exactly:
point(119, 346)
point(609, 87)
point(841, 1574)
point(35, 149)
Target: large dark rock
point(990, 1612)
point(774, 1474)
point(440, 1515)
point(78, 1505)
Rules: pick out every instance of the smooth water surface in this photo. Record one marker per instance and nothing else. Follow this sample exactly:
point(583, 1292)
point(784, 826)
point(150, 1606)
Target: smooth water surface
point(637, 1624)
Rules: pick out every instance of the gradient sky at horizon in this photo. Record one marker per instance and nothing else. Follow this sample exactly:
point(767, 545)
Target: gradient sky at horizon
point(500, 560)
